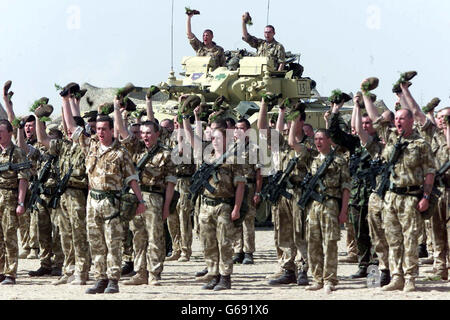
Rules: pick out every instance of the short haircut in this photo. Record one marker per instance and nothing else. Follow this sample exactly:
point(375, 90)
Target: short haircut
point(79, 121)
point(220, 123)
point(270, 26)
point(409, 113)
point(324, 131)
point(31, 118)
point(8, 125)
point(152, 124)
point(231, 121)
point(308, 125)
point(210, 31)
point(247, 123)
point(444, 109)
point(365, 115)
point(108, 119)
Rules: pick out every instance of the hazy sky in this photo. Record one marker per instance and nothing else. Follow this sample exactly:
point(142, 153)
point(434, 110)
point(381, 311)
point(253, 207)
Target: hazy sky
point(110, 43)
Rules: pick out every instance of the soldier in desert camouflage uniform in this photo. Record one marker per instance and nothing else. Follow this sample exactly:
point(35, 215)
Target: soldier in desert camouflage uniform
point(406, 198)
point(13, 186)
point(157, 184)
point(266, 48)
point(207, 48)
point(72, 220)
point(109, 167)
point(324, 218)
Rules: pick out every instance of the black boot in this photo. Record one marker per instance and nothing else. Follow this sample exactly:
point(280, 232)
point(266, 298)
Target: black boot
point(224, 283)
point(127, 268)
point(423, 253)
point(99, 287)
point(211, 284)
point(202, 273)
point(385, 277)
point(302, 279)
point(113, 286)
point(8, 281)
point(361, 273)
point(287, 278)
point(248, 258)
point(40, 272)
point(2, 277)
point(238, 257)
point(56, 272)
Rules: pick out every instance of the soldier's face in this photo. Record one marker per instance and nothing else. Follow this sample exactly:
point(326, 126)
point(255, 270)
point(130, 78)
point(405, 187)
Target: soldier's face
point(30, 129)
point(308, 131)
point(322, 142)
point(239, 130)
point(269, 34)
point(104, 133)
point(207, 134)
point(207, 38)
point(403, 122)
point(5, 136)
point(168, 125)
point(218, 141)
point(136, 130)
point(367, 125)
point(149, 136)
point(440, 119)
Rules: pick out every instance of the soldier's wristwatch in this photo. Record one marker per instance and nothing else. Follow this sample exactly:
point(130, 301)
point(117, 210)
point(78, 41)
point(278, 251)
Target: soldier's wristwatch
point(21, 204)
point(141, 201)
point(426, 197)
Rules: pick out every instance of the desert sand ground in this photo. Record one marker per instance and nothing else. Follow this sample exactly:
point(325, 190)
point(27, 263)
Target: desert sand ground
point(248, 282)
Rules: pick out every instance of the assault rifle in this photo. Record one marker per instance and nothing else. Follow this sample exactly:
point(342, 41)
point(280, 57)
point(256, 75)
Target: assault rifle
point(310, 183)
point(355, 161)
point(370, 174)
point(278, 183)
point(37, 186)
point(15, 166)
point(389, 167)
point(60, 189)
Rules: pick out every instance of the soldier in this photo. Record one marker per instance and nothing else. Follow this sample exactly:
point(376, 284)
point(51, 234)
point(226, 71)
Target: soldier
point(324, 218)
point(109, 168)
point(72, 220)
point(13, 187)
point(157, 184)
point(436, 135)
point(411, 183)
point(244, 245)
point(207, 48)
point(265, 48)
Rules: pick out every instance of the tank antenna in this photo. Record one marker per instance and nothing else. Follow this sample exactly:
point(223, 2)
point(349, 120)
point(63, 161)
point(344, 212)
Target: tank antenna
point(268, 10)
point(171, 41)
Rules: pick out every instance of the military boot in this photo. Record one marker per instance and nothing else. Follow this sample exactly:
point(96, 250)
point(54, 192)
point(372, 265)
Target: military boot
point(6, 87)
point(410, 285)
point(154, 279)
point(113, 286)
point(275, 275)
point(370, 84)
point(184, 258)
point(175, 256)
point(40, 272)
point(224, 283)
point(248, 258)
point(34, 254)
point(314, 287)
point(397, 283)
point(79, 280)
point(423, 253)
point(8, 281)
point(302, 279)
point(127, 268)
point(99, 287)
point(201, 273)
point(287, 278)
point(2, 277)
point(24, 254)
point(361, 273)
point(238, 258)
point(63, 280)
point(329, 288)
point(212, 283)
point(385, 278)
point(56, 272)
point(139, 279)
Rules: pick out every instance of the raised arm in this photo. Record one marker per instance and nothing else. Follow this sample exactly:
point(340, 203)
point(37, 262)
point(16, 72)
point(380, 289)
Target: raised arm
point(9, 108)
point(21, 143)
point(262, 116)
point(296, 125)
point(244, 25)
point(280, 121)
point(372, 111)
point(120, 126)
point(150, 114)
point(75, 107)
point(42, 136)
point(419, 116)
point(67, 111)
point(189, 33)
point(363, 135)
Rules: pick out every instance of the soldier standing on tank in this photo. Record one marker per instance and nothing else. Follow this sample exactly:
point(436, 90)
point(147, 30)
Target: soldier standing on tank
point(267, 47)
point(110, 168)
point(13, 188)
point(411, 183)
point(207, 48)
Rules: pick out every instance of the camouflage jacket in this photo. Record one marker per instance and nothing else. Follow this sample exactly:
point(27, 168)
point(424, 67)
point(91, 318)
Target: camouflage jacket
point(306, 155)
point(70, 154)
point(108, 168)
point(416, 160)
point(10, 179)
point(39, 155)
point(273, 50)
point(159, 170)
point(216, 53)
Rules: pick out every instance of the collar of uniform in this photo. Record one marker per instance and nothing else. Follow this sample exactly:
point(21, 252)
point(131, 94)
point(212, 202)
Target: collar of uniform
point(8, 148)
point(108, 148)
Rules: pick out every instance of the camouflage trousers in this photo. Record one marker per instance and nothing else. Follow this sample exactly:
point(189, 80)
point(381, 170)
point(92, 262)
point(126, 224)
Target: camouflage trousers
point(245, 234)
point(127, 242)
point(440, 235)
point(350, 240)
point(291, 234)
point(276, 230)
point(376, 229)
point(49, 235)
point(34, 230)
point(402, 224)
point(105, 238)
point(24, 231)
point(179, 223)
point(358, 217)
point(149, 243)
point(323, 234)
point(9, 251)
point(425, 237)
point(217, 233)
point(72, 225)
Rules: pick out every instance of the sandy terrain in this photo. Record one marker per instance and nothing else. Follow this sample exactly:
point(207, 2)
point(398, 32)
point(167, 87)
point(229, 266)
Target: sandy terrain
point(249, 283)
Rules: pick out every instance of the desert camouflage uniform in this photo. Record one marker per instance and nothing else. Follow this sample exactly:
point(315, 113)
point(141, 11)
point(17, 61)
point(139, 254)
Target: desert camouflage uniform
point(72, 220)
point(9, 223)
point(148, 228)
point(440, 232)
point(109, 169)
point(402, 220)
point(217, 231)
point(273, 50)
point(216, 52)
point(323, 230)
point(48, 218)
